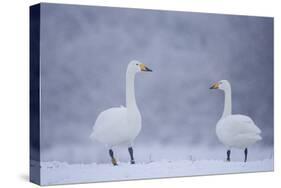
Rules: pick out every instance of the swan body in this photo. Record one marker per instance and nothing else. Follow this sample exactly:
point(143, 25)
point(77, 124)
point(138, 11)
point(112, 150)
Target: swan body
point(235, 130)
point(121, 125)
point(112, 126)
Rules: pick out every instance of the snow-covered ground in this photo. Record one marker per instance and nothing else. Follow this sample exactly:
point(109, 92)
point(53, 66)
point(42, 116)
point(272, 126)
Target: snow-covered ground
point(63, 173)
point(92, 163)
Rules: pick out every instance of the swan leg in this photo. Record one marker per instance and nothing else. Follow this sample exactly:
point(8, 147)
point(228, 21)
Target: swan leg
point(228, 155)
point(246, 154)
point(130, 149)
point(113, 160)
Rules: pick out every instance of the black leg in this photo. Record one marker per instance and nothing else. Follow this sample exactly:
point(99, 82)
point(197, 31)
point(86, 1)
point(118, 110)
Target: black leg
point(113, 160)
point(130, 149)
point(228, 155)
point(246, 154)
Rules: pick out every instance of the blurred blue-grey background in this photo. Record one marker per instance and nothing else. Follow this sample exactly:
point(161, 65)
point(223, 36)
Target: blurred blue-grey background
point(84, 54)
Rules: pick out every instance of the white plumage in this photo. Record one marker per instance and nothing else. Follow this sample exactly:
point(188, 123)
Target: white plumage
point(238, 131)
point(112, 127)
point(235, 131)
point(116, 126)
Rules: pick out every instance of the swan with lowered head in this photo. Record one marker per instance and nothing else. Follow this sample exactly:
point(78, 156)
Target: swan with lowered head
point(235, 130)
point(116, 126)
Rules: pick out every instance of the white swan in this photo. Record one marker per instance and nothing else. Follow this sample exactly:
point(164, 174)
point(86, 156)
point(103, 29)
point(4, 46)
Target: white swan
point(121, 125)
point(235, 131)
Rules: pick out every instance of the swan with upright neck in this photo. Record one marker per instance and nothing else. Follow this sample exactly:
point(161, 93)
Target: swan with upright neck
point(121, 125)
point(235, 130)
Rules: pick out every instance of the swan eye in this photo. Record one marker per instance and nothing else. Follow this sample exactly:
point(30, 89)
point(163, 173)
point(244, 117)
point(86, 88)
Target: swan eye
point(137, 64)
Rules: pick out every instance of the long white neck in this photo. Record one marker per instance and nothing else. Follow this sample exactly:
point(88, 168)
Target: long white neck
point(130, 90)
point(227, 102)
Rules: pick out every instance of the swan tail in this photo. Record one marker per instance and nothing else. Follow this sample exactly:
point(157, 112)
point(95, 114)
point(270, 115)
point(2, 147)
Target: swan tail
point(258, 137)
point(92, 136)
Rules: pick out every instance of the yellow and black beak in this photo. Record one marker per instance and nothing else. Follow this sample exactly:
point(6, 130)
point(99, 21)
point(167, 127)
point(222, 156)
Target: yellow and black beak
point(144, 68)
point(215, 86)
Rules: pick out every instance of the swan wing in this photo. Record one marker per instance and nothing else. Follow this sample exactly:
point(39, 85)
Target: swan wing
point(108, 124)
point(238, 131)
point(241, 124)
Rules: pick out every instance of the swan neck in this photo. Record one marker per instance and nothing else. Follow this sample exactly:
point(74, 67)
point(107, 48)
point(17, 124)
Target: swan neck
point(130, 90)
point(227, 102)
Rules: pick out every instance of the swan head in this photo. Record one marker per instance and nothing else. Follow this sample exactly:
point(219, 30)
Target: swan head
point(136, 66)
point(222, 85)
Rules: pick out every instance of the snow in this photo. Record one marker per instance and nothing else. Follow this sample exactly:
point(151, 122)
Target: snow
point(92, 163)
point(62, 173)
